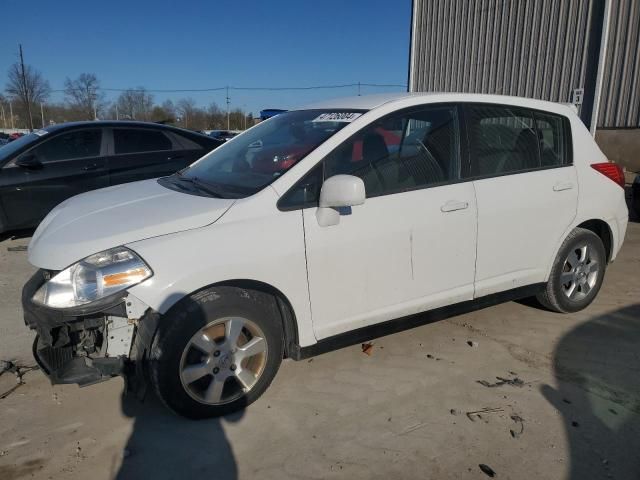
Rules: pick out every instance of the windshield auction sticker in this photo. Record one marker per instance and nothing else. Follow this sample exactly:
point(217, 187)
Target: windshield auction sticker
point(337, 117)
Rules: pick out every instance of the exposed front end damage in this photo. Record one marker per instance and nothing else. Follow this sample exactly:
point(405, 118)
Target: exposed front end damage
point(90, 345)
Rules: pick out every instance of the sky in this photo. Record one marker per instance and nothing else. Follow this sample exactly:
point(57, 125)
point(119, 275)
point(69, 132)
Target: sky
point(164, 44)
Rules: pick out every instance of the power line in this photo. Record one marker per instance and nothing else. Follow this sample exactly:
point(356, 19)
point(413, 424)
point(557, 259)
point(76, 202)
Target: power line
point(216, 89)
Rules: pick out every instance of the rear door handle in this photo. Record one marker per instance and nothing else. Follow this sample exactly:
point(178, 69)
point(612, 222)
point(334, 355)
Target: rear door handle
point(93, 166)
point(560, 186)
point(453, 205)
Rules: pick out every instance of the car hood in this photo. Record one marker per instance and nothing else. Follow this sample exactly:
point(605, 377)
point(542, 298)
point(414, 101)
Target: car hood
point(113, 216)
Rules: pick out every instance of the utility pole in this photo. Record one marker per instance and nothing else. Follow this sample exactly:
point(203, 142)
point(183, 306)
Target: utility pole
point(358, 88)
point(4, 119)
point(26, 88)
point(11, 113)
point(42, 113)
point(228, 109)
point(117, 111)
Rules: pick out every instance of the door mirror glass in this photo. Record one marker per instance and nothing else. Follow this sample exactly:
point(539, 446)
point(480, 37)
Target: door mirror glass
point(28, 160)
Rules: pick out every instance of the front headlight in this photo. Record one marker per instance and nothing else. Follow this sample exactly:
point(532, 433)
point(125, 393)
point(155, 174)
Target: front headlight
point(97, 276)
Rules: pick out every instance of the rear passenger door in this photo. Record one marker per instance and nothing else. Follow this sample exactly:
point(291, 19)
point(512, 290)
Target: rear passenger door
point(142, 153)
point(526, 189)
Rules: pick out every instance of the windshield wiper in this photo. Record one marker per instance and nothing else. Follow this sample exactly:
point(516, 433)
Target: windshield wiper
point(205, 187)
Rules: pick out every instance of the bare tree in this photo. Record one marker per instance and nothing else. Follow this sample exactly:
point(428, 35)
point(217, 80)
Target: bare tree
point(135, 104)
point(186, 108)
point(84, 94)
point(28, 87)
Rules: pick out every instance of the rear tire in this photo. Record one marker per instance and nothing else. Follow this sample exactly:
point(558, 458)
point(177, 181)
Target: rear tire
point(217, 351)
point(577, 273)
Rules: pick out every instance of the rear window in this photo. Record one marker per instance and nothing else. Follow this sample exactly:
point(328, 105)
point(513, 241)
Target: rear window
point(138, 141)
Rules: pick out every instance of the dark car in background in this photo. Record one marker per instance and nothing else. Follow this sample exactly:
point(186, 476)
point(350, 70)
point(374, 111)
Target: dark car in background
point(45, 167)
point(223, 135)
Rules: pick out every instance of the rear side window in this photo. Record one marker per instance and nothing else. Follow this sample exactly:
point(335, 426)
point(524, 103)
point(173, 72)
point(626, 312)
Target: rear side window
point(139, 141)
point(506, 140)
point(71, 145)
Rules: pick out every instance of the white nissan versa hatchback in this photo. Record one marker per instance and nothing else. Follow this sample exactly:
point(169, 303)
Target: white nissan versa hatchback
point(316, 229)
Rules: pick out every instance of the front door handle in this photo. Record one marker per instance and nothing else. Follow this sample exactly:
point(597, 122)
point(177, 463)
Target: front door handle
point(560, 186)
point(92, 166)
point(453, 205)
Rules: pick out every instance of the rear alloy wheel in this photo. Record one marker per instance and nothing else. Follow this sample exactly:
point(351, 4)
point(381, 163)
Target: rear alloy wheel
point(216, 351)
point(577, 273)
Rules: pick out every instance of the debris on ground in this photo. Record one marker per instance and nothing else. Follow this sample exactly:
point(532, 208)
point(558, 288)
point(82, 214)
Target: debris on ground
point(477, 414)
point(17, 248)
point(519, 421)
point(453, 411)
point(367, 348)
point(487, 470)
point(575, 424)
point(7, 366)
point(567, 401)
point(515, 382)
point(471, 343)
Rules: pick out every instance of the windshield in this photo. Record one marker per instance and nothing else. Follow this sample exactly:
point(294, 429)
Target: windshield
point(10, 148)
point(257, 157)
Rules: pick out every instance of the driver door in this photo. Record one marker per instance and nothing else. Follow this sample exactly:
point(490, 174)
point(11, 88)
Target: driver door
point(411, 245)
point(65, 165)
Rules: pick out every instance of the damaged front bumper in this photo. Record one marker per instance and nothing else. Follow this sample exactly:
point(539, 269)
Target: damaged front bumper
point(91, 344)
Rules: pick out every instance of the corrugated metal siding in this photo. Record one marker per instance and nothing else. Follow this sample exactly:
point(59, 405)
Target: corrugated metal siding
point(531, 48)
point(620, 103)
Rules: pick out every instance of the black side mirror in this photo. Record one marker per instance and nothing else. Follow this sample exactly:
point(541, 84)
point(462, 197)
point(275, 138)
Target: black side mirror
point(29, 161)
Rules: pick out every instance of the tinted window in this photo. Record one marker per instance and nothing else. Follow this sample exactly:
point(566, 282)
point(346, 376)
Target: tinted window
point(508, 140)
point(553, 143)
point(67, 146)
point(137, 141)
point(185, 143)
point(402, 152)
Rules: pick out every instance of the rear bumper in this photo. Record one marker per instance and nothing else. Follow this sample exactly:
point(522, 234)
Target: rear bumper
point(72, 348)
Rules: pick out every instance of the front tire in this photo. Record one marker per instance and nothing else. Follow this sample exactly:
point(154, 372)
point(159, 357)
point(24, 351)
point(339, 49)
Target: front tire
point(577, 273)
point(217, 351)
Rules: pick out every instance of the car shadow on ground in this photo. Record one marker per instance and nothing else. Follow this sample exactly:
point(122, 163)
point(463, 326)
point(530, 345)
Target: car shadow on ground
point(597, 371)
point(165, 446)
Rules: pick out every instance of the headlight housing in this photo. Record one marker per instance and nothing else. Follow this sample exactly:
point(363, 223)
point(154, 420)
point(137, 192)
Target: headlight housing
point(96, 277)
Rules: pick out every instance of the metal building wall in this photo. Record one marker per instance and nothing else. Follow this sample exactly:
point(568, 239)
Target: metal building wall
point(531, 48)
point(620, 102)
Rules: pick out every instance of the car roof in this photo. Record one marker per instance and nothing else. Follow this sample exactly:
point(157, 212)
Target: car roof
point(370, 102)
point(113, 123)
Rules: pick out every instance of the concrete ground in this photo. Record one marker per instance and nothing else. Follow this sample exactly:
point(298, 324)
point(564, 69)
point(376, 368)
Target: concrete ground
point(569, 408)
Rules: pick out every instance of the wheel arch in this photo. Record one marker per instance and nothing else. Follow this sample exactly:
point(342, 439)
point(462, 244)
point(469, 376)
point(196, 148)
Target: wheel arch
point(287, 313)
point(602, 230)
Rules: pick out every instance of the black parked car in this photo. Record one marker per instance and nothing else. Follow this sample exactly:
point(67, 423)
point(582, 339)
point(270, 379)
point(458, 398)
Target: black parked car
point(43, 168)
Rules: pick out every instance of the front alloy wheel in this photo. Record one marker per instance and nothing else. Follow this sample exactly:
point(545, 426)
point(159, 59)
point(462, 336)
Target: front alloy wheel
point(224, 360)
point(216, 351)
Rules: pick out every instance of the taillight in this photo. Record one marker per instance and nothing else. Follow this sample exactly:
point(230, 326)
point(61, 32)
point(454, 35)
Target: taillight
point(611, 170)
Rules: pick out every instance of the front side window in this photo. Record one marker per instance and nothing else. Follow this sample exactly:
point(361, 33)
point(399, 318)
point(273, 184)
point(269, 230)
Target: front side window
point(140, 141)
point(259, 156)
point(69, 146)
point(506, 140)
point(401, 152)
